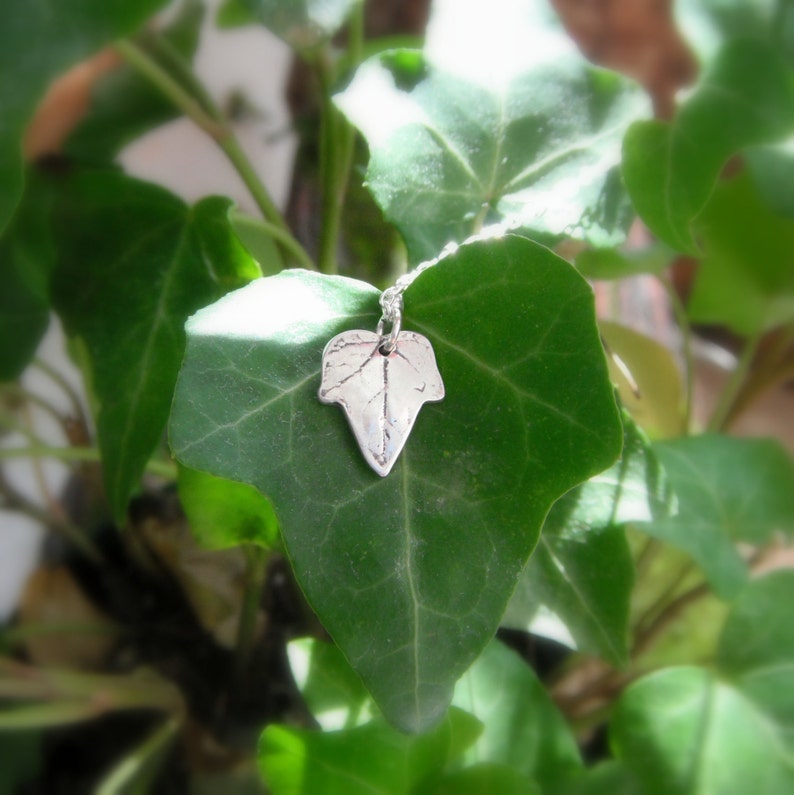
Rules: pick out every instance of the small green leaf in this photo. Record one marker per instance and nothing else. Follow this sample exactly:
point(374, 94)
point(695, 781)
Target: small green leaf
point(612, 263)
point(682, 730)
point(744, 98)
point(124, 104)
point(656, 396)
point(223, 513)
point(522, 727)
point(483, 779)
point(410, 573)
point(772, 170)
point(26, 259)
point(303, 24)
point(257, 239)
point(746, 279)
point(369, 759)
point(453, 149)
point(332, 690)
point(38, 41)
point(729, 490)
point(582, 569)
point(756, 648)
point(134, 262)
point(605, 778)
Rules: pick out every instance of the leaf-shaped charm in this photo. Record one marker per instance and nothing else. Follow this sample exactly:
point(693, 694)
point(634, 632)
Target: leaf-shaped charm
point(380, 392)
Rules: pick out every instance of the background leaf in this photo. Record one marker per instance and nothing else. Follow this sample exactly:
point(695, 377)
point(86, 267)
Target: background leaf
point(124, 104)
point(410, 574)
point(522, 727)
point(612, 263)
point(38, 41)
point(756, 648)
point(729, 490)
point(133, 262)
point(451, 152)
point(746, 279)
point(223, 513)
point(683, 730)
point(374, 758)
point(483, 779)
point(582, 569)
point(744, 98)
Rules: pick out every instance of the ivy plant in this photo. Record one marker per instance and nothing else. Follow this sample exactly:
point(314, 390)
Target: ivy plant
point(563, 584)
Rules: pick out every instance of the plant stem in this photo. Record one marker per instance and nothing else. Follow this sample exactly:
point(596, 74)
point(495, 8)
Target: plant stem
point(255, 576)
point(21, 394)
point(722, 412)
point(685, 328)
point(207, 117)
point(57, 378)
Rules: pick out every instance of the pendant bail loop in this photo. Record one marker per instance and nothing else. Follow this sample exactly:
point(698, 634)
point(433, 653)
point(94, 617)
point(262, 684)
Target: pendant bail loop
point(391, 303)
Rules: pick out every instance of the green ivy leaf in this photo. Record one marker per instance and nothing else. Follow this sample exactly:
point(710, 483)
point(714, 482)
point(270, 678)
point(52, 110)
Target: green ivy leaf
point(303, 24)
point(38, 41)
point(683, 730)
point(410, 573)
point(134, 262)
point(483, 779)
point(746, 279)
point(124, 104)
point(369, 759)
point(26, 259)
point(729, 490)
point(744, 98)
point(612, 263)
point(772, 169)
point(756, 648)
point(582, 569)
point(522, 727)
point(453, 149)
point(223, 513)
point(606, 778)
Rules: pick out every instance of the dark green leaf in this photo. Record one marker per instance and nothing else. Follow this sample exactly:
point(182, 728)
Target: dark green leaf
point(522, 727)
point(756, 649)
point(38, 41)
point(124, 104)
point(223, 513)
point(134, 262)
point(654, 395)
point(729, 490)
point(483, 779)
point(746, 279)
point(409, 573)
point(744, 98)
point(606, 778)
point(369, 759)
point(20, 759)
point(303, 24)
point(26, 259)
point(332, 690)
point(454, 148)
point(582, 569)
point(682, 730)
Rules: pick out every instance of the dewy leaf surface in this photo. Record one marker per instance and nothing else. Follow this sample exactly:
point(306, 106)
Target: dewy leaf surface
point(745, 98)
point(729, 490)
point(38, 40)
point(582, 569)
point(133, 262)
point(531, 140)
point(409, 573)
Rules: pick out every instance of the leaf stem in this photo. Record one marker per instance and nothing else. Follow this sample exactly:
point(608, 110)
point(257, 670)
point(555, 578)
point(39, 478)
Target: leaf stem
point(685, 328)
point(58, 378)
point(721, 415)
point(255, 576)
point(196, 104)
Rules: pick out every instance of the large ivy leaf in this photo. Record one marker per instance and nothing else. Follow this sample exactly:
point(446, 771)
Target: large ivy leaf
point(582, 569)
point(729, 490)
point(409, 573)
point(744, 98)
point(369, 759)
point(756, 648)
point(303, 24)
point(530, 139)
point(38, 40)
point(133, 262)
point(683, 730)
point(481, 779)
point(26, 259)
point(746, 279)
point(521, 726)
point(124, 104)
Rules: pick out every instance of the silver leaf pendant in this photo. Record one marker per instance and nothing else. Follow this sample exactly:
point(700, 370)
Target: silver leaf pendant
point(381, 388)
